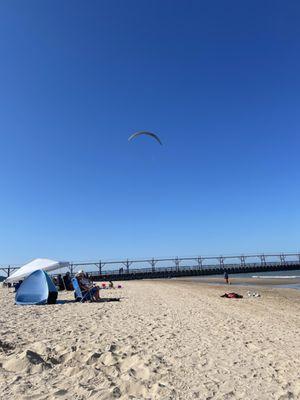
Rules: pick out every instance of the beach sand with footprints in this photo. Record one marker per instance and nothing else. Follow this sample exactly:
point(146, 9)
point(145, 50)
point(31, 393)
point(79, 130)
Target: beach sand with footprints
point(163, 340)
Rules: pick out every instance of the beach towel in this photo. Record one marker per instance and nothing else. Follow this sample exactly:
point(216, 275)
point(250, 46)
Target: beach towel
point(232, 296)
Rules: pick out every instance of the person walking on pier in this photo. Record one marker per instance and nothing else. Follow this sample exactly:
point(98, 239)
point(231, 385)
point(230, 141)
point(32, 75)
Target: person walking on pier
point(226, 277)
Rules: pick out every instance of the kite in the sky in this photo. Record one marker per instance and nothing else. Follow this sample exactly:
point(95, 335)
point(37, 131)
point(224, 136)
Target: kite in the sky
point(145, 133)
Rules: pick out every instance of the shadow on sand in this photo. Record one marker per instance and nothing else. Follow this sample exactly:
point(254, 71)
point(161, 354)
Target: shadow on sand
point(107, 300)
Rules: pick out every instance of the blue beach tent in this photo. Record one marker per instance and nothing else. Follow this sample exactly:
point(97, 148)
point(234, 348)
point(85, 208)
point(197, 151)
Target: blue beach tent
point(37, 288)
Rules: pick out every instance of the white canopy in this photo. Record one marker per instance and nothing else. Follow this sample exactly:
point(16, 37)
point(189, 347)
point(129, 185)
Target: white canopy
point(39, 263)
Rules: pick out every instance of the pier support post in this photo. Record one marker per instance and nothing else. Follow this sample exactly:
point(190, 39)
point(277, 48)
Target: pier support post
point(200, 262)
point(221, 261)
point(100, 267)
point(177, 263)
point(127, 264)
point(243, 261)
point(282, 259)
point(263, 260)
point(153, 263)
point(71, 268)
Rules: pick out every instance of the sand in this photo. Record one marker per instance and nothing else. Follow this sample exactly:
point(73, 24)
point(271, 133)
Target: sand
point(266, 282)
point(163, 340)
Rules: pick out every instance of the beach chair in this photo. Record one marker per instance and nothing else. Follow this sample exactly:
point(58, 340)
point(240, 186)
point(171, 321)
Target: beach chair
point(79, 295)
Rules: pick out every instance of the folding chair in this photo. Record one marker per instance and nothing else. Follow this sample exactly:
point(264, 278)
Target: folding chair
point(79, 295)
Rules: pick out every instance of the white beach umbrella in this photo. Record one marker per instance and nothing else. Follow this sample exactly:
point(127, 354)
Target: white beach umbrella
point(39, 263)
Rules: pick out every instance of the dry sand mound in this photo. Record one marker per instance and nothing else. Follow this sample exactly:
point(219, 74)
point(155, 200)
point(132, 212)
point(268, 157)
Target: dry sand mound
point(28, 362)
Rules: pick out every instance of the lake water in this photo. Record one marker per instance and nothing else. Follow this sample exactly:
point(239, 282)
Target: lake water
point(293, 278)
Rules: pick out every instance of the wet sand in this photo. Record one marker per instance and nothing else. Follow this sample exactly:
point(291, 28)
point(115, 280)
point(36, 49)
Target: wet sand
point(265, 282)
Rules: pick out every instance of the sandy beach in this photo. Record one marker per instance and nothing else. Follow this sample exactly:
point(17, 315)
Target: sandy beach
point(266, 282)
point(163, 340)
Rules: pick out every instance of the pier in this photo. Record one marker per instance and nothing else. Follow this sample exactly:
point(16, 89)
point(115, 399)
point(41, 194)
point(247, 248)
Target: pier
point(154, 268)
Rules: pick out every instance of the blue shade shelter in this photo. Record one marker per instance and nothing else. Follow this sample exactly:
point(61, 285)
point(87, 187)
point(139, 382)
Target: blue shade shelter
point(37, 288)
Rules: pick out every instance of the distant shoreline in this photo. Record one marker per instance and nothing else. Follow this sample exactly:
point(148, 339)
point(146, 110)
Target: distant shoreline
point(266, 282)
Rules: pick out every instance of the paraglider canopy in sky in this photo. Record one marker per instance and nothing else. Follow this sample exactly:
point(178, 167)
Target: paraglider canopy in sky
point(133, 136)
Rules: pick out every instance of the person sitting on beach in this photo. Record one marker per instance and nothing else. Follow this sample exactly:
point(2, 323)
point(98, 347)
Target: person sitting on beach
point(17, 285)
point(67, 281)
point(86, 285)
point(54, 280)
point(60, 282)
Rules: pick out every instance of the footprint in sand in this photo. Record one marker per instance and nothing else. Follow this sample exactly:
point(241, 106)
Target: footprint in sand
point(93, 358)
point(109, 359)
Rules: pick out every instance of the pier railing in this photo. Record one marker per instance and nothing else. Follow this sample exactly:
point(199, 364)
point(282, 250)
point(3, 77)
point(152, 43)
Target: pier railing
point(178, 266)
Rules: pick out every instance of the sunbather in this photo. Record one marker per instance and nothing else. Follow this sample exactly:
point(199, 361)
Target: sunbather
point(87, 285)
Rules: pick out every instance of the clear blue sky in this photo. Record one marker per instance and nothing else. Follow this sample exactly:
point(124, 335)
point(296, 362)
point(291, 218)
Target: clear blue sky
point(219, 81)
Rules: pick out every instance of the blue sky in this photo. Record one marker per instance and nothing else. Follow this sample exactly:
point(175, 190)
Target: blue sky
point(217, 80)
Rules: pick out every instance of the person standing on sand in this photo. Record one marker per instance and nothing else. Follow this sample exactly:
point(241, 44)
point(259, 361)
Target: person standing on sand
point(226, 277)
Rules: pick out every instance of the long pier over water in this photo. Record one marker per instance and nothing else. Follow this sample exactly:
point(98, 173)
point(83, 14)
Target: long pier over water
point(152, 268)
